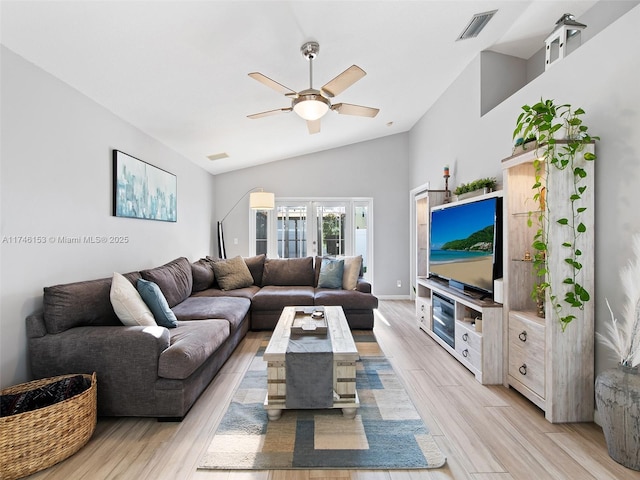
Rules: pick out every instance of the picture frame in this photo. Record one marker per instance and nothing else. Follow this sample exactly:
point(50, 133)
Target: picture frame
point(142, 190)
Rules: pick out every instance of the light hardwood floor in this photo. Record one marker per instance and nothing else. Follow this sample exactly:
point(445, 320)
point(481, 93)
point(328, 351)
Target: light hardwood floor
point(487, 433)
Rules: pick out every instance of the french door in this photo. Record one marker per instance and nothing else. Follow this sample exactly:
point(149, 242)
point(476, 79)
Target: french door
point(309, 227)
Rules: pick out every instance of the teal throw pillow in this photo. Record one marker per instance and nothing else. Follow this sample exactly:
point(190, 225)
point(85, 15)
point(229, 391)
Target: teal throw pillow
point(157, 303)
point(331, 273)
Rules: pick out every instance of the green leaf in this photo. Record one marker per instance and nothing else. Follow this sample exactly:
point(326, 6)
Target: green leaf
point(581, 228)
point(568, 281)
point(574, 197)
point(578, 252)
point(581, 209)
point(589, 156)
point(582, 189)
point(566, 244)
point(541, 246)
point(563, 221)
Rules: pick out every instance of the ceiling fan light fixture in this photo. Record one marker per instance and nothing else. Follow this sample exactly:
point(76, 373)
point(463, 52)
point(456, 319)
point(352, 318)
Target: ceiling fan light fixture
point(311, 106)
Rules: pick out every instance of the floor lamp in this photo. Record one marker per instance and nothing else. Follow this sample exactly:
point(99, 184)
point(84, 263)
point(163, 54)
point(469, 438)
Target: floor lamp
point(258, 200)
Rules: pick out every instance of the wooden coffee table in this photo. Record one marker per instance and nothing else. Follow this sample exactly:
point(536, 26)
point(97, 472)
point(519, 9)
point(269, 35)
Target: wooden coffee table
point(345, 356)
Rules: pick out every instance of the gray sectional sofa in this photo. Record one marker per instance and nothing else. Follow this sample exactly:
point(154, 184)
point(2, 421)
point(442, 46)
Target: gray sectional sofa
point(154, 371)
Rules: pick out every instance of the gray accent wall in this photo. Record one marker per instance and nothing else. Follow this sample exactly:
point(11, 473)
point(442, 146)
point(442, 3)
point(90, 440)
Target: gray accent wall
point(378, 169)
point(601, 77)
point(56, 182)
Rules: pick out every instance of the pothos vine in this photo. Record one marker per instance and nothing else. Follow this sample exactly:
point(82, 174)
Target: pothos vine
point(543, 120)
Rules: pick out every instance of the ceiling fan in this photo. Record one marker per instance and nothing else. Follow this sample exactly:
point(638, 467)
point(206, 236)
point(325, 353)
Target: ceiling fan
point(312, 104)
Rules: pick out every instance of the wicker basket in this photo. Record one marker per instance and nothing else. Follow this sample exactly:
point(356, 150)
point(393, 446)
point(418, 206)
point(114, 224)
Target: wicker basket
point(34, 440)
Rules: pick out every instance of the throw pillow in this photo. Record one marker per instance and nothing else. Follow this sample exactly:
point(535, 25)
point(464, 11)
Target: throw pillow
point(128, 304)
point(232, 273)
point(331, 273)
point(153, 297)
point(352, 266)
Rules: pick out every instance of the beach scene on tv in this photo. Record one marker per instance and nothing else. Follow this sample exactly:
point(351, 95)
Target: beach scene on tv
point(462, 243)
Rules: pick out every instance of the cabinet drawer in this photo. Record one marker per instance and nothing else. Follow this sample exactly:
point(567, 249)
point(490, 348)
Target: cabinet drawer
point(467, 336)
point(527, 352)
point(470, 355)
point(423, 313)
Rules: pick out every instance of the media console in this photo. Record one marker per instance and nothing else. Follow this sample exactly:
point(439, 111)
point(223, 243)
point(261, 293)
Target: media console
point(469, 328)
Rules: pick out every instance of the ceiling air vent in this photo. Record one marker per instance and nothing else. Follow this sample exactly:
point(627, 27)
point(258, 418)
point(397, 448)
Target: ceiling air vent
point(217, 156)
point(476, 24)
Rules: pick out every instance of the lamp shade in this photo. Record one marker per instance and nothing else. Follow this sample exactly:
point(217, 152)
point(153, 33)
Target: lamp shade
point(262, 200)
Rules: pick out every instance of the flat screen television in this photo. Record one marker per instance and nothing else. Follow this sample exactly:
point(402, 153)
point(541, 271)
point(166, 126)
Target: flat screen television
point(466, 243)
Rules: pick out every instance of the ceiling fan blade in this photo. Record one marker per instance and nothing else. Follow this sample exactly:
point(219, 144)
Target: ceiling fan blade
point(343, 81)
point(278, 87)
point(270, 112)
point(313, 126)
point(349, 109)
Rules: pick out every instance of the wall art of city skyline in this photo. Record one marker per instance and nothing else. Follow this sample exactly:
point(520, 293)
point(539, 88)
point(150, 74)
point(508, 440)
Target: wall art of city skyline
point(142, 190)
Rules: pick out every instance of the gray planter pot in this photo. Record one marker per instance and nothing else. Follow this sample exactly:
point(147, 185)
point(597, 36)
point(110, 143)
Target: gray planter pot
point(618, 401)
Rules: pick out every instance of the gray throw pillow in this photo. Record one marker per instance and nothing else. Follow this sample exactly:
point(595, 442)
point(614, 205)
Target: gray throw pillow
point(232, 273)
point(331, 273)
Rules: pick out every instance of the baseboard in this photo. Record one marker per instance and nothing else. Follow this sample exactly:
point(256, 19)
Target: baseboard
point(394, 297)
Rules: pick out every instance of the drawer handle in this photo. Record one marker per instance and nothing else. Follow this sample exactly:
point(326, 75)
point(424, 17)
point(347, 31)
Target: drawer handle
point(465, 353)
point(465, 337)
point(523, 369)
point(422, 307)
point(523, 336)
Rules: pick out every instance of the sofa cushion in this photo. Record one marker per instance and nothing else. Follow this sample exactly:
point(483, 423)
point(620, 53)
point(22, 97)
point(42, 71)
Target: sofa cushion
point(347, 299)
point(174, 279)
point(80, 304)
point(288, 272)
point(128, 304)
point(274, 297)
point(153, 297)
point(232, 273)
point(203, 276)
point(331, 273)
point(191, 344)
point(232, 309)
point(255, 265)
point(246, 292)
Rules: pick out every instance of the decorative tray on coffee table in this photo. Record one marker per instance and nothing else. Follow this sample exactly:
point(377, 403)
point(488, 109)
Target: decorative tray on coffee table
point(309, 321)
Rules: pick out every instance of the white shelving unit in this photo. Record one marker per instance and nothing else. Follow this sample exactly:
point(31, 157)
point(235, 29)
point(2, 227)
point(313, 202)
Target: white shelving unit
point(552, 368)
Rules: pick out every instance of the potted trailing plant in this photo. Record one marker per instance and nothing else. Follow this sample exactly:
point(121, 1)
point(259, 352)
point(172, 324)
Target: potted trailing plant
point(618, 389)
point(480, 184)
point(546, 121)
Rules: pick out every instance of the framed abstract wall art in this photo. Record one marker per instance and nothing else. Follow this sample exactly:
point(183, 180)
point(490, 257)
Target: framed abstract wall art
point(141, 190)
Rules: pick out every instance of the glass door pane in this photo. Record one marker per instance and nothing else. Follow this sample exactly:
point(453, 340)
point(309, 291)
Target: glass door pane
point(262, 224)
point(292, 231)
point(331, 224)
point(361, 221)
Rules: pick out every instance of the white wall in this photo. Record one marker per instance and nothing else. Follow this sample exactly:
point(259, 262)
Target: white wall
point(377, 169)
point(601, 78)
point(56, 180)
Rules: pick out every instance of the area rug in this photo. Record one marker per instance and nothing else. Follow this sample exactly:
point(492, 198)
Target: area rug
point(386, 434)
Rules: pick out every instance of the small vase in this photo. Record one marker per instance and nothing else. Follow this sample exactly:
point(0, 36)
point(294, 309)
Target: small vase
point(618, 401)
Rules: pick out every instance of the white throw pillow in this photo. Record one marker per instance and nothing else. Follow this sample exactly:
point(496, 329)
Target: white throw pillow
point(128, 304)
point(351, 272)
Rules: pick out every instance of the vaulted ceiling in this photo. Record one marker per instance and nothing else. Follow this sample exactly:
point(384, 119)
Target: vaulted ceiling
point(178, 70)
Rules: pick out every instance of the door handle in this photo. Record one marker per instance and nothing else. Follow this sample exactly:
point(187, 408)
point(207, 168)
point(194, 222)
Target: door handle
point(523, 369)
point(523, 336)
